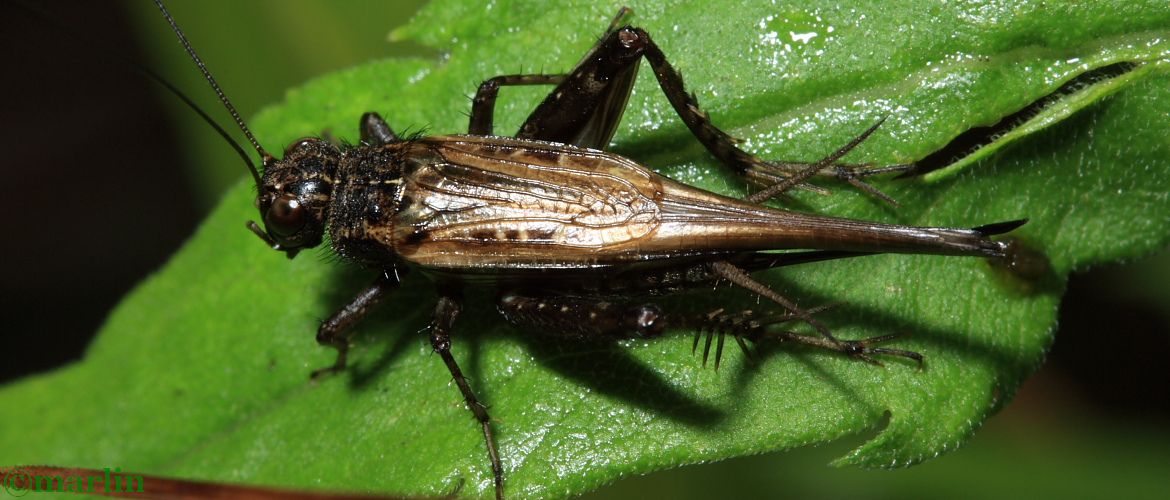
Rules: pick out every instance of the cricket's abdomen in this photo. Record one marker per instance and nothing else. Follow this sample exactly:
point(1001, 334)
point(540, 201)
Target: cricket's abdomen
point(475, 202)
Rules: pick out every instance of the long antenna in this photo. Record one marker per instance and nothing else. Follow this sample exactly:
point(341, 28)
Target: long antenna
point(206, 118)
point(227, 103)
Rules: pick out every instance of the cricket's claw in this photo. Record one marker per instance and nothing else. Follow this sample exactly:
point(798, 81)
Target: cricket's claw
point(864, 350)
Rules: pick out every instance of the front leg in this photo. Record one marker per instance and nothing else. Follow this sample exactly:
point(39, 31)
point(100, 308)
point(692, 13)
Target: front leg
point(446, 310)
point(335, 332)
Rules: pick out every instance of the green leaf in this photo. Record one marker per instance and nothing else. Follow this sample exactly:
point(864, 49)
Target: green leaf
point(203, 370)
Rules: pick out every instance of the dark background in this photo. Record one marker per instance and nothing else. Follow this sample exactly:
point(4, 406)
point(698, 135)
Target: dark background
point(105, 173)
point(99, 189)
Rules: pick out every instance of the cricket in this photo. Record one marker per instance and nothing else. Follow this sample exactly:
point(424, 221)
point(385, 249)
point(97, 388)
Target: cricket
point(576, 242)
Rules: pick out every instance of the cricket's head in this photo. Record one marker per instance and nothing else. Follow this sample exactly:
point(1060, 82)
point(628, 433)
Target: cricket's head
point(294, 192)
point(294, 195)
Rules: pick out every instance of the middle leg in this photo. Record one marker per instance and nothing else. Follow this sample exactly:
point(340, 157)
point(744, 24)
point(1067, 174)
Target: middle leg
point(446, 311)
point(483, 106)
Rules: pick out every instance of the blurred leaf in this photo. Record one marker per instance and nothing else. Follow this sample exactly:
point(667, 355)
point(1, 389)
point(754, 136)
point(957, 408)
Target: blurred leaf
point(202, 371)
point(1078, 459)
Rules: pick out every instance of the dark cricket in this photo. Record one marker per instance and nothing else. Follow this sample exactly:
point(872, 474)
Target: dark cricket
point(577, 241)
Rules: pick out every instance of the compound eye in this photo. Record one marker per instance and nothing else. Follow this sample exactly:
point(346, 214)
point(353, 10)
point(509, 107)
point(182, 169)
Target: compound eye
point(286, 216)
